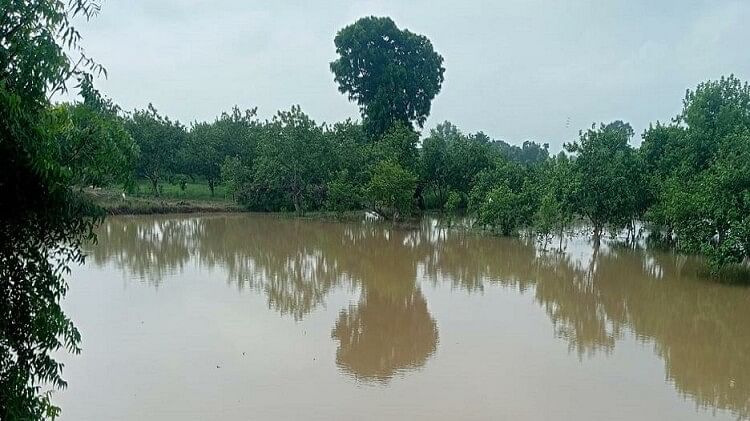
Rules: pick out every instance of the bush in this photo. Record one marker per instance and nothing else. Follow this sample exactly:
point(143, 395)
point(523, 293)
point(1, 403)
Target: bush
point(391, 189)
point(342, 194)
point(499, 210)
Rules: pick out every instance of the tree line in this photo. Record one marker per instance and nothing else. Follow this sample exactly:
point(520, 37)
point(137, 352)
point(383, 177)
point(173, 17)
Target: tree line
point(689, 180)
point(687, 183)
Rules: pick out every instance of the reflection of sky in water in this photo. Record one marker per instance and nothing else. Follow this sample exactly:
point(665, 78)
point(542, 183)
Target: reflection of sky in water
point(388, 302)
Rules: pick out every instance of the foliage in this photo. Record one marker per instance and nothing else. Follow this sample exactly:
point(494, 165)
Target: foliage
point(529, 153)
point(209, 144)
point(434, 162)
point(293, 160)
point(450, 160)
point(453, 202)
point(160, 141)
point(392, 74)
point(351, 151)
point(499, 210)
point(698, 168)
point(343, 194)
point(391, 189)
point(546, 219)
point(182, 180)
point(92, 140)
point(502, 172)
point(608, 174)
point(398, 144)
point(558, 203)
point(43, 223)
point(235, 175)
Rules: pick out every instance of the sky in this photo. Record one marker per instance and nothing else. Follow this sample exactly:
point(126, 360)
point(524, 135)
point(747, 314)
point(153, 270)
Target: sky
point(516, 69)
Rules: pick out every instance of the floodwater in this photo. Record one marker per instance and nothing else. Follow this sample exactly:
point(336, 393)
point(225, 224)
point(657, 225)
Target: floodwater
point(258, 317)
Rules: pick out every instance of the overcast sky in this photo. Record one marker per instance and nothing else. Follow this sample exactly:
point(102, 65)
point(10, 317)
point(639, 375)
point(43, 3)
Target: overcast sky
point(515, 69)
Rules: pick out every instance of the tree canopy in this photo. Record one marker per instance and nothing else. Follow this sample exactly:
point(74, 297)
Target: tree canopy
point(45, 152)
point(687, 184)
point(392, 74)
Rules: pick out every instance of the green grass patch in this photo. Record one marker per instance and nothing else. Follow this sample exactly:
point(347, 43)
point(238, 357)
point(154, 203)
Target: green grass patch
point(193, 191)
point(115, 202)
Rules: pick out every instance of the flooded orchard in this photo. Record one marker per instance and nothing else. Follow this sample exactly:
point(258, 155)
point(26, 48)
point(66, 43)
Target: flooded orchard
point(265, 318)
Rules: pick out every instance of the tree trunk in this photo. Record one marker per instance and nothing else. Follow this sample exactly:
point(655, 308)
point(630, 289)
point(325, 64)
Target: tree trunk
point(211, 185)
point(597, 235)
point(419, 198)
point(155, 185)
point(297, 205)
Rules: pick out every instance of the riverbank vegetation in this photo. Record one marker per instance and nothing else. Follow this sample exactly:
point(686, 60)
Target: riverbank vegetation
point(686, 185)
point(688, 182)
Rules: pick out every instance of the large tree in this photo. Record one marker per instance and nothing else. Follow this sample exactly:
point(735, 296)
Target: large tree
point(392, 74)
point(43, 222)
point(698, 170)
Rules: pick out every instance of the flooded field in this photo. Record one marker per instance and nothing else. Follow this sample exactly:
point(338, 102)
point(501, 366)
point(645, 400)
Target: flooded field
point(267, 318)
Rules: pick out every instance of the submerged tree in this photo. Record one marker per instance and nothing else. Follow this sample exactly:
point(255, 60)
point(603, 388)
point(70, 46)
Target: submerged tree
point(392, 74)
point(607, 173)
point(699, 167)
point(557, 205)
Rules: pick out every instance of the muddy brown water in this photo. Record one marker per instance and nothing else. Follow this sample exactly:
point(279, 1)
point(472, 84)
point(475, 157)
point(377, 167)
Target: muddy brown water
point(266, 318)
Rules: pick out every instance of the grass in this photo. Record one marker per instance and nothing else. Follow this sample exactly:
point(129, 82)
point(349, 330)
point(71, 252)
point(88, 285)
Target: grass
point(193, 191)
point(195, 198)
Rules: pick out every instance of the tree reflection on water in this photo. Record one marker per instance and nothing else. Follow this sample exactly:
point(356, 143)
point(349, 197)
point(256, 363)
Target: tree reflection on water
point(699, 329)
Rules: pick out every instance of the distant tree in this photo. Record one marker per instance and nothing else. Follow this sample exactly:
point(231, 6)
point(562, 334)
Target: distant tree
point(451, 160)
point(209, 144)
point(607, 173)
point(528, 153)
point(391, 189)
point(712, 112)
point(453, 202)
point(235, 174)
point(561, 186)
point(452, 205)
point(161, 142)
point(392, 74)
point(294, 158)
point(434, 164)
point(467, 157)
point(545, 219)
point(204, 153)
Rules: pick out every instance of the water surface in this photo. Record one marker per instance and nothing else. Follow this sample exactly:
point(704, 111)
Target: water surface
point(267, 318)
